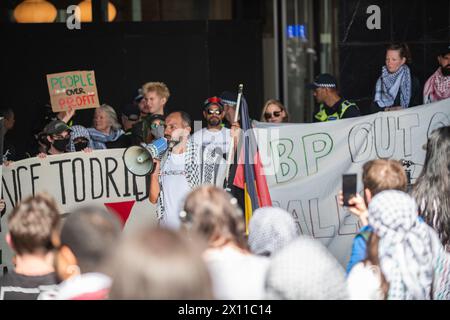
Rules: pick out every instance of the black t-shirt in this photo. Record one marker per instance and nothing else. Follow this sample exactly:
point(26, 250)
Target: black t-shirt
point(14, 286)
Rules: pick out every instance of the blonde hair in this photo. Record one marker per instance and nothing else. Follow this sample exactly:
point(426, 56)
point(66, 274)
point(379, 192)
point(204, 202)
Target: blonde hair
point(112, 115)
point(278, 104)
point(212, 213)
point(159, 87)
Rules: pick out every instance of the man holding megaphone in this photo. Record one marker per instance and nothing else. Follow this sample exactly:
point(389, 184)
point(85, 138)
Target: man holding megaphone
point(181, 169)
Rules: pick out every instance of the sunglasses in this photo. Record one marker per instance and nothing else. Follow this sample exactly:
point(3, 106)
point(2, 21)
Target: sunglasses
point(209, 111)
point(269, 115)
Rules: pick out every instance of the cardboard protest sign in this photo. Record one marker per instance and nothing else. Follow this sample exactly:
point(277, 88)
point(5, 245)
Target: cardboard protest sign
point(75, 89)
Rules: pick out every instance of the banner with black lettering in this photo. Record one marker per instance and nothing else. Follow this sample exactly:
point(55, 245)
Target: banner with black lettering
point(305, 163)
point(77, 179)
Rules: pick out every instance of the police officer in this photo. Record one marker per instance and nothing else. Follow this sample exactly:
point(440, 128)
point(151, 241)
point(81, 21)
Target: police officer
point(332, 106)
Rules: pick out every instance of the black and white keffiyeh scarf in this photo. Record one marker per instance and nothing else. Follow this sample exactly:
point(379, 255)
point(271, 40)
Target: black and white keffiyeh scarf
point(389, 84)
point(200, 168)
point(411, 256)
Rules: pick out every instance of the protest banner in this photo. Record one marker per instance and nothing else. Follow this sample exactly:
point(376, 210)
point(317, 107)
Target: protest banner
point(76, 179)
point(304, 164)
point(75, 90)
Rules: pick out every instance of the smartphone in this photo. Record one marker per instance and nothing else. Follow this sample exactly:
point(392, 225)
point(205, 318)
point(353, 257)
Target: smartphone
point(348, 187)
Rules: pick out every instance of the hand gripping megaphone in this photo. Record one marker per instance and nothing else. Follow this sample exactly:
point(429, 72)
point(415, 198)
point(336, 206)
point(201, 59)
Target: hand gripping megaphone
point(139, 159)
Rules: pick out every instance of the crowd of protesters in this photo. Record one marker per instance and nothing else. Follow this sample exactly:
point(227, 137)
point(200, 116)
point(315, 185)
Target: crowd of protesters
point(199, 248)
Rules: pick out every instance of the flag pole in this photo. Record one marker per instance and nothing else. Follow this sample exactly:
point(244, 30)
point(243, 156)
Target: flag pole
point(231, 153)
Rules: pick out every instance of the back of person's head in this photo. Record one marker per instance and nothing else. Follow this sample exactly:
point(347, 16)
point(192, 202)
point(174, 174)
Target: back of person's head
point(403, 50)
point(156, 263)
point(214, 215)
point(384, 174)
point(405, 246)
point(33, 223)
point(159, 87)
point(305, 270)
point(432, 187)
point(87, 236)
point(270, 229)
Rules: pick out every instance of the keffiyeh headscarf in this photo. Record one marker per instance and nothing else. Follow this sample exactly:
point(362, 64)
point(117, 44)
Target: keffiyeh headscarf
point(405, 247)
point(305, 270)
point(99, 138)
point(389, 84)
point(270, 229)
point(437, 87)
point(77, 132)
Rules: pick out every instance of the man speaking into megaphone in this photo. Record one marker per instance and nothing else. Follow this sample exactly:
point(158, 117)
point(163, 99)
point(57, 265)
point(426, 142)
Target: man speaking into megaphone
point(181, 169)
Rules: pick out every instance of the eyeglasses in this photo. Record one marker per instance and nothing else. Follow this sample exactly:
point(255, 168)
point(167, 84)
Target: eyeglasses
point(269, 115)
point(214, 111)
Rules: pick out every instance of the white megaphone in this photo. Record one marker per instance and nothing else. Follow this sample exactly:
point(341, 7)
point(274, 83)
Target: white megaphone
point(139, 160)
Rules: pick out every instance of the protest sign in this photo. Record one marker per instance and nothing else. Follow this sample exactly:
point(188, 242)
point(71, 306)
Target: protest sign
point(72, 90)
point(304, 164)
point(76, 179)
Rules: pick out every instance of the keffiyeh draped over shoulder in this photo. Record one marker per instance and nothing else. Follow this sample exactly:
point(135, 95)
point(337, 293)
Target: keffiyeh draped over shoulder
point(437, 87)
point(99, 138)
point(200, 169)
point(389, 84)
point(411, 256)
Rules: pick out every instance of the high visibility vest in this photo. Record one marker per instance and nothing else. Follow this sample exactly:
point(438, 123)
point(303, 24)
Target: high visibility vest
point(323, 116)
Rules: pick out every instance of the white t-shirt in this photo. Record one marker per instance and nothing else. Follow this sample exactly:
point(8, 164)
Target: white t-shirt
point(219, 140)
point(176, 188)
point(236, 275)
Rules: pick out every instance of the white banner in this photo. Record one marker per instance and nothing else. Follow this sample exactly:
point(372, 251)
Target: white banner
point(305, 163)
point(77, 179)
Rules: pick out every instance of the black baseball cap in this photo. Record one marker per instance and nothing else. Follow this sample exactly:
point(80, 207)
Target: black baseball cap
point(324, 80)
point(131, 111)
point(229, 98)
point(56, 127)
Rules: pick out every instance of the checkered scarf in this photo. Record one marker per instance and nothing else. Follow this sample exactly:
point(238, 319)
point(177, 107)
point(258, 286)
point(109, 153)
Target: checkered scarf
point(305, 270)
point(199, 170)
point(270, 229)
point(409, 250)
point(99, 138)
point(389, 84)
point(77, 132)
point(437, 87)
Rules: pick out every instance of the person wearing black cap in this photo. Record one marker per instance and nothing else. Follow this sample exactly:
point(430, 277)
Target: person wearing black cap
point(229, 101)
point(332, 106)
point(437, 86)
point(215, 135)
point(58, 135)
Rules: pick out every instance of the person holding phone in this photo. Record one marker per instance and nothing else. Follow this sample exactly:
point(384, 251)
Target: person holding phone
point(378, 175)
